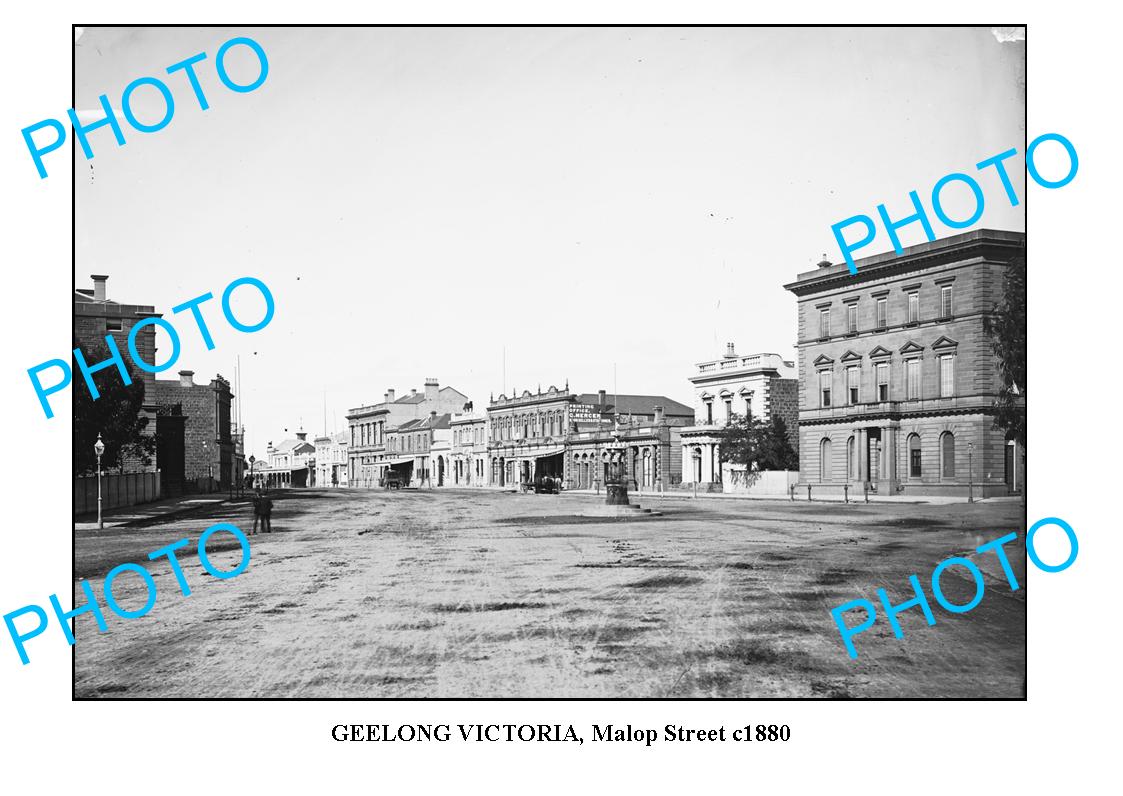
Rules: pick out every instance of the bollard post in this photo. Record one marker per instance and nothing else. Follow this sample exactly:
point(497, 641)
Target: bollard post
point(809, 493)
point(846, 493)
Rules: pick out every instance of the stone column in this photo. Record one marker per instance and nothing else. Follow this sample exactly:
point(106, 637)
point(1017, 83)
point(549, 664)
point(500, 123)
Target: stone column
point(888, 482)
point(862, 453)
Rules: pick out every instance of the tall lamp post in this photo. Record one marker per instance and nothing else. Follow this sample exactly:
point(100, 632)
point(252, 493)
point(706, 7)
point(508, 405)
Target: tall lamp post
point(252, 460)
point(99, 449)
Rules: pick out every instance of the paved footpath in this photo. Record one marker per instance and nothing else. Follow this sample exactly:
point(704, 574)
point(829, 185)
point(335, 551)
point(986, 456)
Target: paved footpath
point(150, 512)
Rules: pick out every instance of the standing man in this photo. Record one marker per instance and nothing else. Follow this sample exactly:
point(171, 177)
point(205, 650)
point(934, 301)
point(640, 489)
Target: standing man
point(262, 510)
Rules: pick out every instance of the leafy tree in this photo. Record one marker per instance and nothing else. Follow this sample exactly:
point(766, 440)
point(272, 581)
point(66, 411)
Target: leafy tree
point(116, 415)
point(746, 441)
point(1007, 330)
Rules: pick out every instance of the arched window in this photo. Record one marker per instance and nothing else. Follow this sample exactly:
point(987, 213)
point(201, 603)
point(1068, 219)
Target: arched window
point(914, 456)
point(825, 459)
point(851, 459)
point(947, 455)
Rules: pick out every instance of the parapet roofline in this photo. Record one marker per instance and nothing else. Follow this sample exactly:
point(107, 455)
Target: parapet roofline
point(941, 246)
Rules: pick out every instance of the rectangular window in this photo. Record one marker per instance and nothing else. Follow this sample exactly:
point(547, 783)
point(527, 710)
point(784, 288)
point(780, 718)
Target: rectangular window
point(912, 379)
point(709, 412)
point(945, 301)
point(914, 462)
point(825, 387)
point(883, 381)
point(825, 322)
point(882, 306)
point(728, 410)
point(112, 324)
point(914, 307)
point(852, 318)
point(852, 377)
point(947, 376)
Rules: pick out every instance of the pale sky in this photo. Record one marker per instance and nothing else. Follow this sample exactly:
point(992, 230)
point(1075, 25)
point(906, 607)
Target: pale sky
point(419, 199)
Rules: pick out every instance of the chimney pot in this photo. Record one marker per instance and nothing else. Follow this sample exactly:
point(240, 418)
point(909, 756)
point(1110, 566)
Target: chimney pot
point(658, 415)
point(99, 286)
point(185, 378)
point(601, 397)
point(389, 396)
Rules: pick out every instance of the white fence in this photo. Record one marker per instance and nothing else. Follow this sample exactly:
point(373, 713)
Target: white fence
point(772, 483)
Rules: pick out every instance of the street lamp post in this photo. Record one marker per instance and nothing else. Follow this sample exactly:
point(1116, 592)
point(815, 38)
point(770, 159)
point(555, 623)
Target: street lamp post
point(99, 449)
point(970, 472)
point(252, 460)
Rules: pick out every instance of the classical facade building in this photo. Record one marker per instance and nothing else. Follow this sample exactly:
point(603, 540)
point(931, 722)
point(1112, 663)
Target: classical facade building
point(755, 385)
point(331, 460)
point(290, 463)
point(898, 379)
point(368, 427)
point(469, 450)
point(559, 434)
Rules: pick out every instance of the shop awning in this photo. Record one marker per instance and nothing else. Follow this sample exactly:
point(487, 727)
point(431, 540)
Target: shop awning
point(545, 453)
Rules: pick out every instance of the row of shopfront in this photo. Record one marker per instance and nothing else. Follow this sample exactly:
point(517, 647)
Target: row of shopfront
point(552, 438)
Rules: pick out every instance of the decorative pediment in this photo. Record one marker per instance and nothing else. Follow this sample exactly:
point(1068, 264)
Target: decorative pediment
point(881, 352)
point(726, 394)
point(707, 396)
point(822, 361)
point(851, 356)
point(746, 391)
point(944, 344)
point(911, 347)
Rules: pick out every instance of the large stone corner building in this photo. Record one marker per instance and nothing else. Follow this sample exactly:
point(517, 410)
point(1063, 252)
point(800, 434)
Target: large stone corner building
point(897, 375)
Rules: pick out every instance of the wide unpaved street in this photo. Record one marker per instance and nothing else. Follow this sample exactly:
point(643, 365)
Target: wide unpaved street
point(481, 594)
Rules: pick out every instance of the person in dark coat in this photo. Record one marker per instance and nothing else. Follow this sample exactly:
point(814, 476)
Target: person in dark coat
point(263, 511)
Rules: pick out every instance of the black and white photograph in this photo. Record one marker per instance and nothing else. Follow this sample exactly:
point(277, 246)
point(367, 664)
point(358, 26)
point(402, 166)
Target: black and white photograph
point(550, 362)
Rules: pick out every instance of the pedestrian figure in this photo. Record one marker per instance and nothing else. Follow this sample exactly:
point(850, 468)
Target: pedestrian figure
point(262, 510)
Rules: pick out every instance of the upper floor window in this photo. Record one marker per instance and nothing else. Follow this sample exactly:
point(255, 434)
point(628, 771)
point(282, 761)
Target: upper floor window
point(728, 410)
point(851, 318)
point(914, 307)
point(709, 412)
point(825, 322)
point(112, 324)
point(912, 379)
point(853, 375)
point(945, 301)
point(947, 376)
point(882, 308)
point(882, 381)
point(824, 388)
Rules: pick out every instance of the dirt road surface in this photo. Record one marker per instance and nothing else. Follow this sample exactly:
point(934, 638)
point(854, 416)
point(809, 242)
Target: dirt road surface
point(448, 593)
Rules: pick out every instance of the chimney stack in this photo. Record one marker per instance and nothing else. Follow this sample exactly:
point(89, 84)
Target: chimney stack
point(658, 415)
point(432, 387)
point(729, 352)
point(601, 397)
point(432, 416)
point(390, 396)
point(185, 379)
point(412, 392)
point(99, 286)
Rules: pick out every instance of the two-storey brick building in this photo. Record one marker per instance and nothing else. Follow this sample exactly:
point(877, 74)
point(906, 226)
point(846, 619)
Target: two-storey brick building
point(897, 375)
